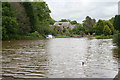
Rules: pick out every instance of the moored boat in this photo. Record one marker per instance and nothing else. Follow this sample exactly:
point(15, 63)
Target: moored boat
point(49, 37)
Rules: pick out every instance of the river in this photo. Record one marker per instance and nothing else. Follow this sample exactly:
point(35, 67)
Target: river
point(59, 58)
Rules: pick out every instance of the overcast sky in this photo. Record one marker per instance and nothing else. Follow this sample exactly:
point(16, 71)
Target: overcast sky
point(79, 9)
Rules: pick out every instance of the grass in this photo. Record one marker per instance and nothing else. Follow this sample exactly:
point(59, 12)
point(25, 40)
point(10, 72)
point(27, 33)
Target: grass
point(73, 36)
point(104, 37)
point(78, 36)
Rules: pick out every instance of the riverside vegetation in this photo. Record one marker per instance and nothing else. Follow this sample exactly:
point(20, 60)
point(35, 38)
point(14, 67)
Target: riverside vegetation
point(26, 20)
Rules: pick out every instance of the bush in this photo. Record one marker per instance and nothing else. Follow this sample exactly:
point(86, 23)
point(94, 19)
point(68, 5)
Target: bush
point(116, 39)
point(53, 32)
point(106, 30)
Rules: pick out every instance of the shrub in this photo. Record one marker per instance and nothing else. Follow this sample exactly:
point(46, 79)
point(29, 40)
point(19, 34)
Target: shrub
point(106, 30)
point(116, 39)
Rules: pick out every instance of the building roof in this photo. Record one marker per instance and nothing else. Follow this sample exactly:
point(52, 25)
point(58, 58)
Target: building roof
point(65, 24)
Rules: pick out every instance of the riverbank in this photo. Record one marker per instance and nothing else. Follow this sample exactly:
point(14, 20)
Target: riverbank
point(103, 37)
point(39, 36)
point(75, 36)
point(78, 36)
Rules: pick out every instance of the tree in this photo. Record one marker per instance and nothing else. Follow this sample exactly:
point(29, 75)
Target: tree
point(112, 20)
point(38, 13)
point(51, 21)
point(106, 30)
point(116, 23)
point(110, 25)
point(22, 18)
point(73, 22)
point(99, 27)
point(78, 30)
point(116, 39)
point(64, 20)
point(88, 24)
point(9, 22)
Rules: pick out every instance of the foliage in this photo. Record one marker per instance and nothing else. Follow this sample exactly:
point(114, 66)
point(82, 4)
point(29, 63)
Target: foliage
point(73, 22)
point(104, 27)
point(51, 21)
point(78, 30)
point(99, 27)
point(112, 20)
point(117, 22)
point(106, 30)
point(110, 25)
point(116, 39)
point(38, 13)
point(64, 20)
point(54, 32)
point(88, 24)
point(104, 37)
point(9, 22)
point(24, 18)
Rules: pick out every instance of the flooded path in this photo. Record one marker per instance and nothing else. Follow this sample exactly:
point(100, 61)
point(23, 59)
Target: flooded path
point(59, 58)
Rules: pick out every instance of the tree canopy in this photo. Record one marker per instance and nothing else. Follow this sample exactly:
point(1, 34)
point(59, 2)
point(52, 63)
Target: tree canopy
point(21, 18)
point(116, 22)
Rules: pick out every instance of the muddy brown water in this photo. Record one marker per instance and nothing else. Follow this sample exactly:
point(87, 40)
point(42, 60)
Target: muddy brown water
point(59, 58)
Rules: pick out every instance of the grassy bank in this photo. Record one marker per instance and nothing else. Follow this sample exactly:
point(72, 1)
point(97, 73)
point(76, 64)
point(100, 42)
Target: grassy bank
point(73, 36)
point(78, 36)
point(104, 37)
point(28, 36)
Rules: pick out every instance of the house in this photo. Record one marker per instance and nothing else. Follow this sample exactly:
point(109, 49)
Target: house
point(65, 25)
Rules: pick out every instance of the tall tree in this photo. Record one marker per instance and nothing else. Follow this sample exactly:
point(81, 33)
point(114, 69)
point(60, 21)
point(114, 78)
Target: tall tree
point(112, 20)
point(117, 22)
point(106, 30)
point(38, 13)
point(9, 22)
point(88, 24)
point(110, 25)
point(99, 27)
point(22, 18)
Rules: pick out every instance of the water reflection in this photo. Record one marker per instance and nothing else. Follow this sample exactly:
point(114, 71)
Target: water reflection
point(25, 59)
point(59, 58)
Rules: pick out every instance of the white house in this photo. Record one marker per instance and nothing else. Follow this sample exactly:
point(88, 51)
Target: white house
point(65, 25)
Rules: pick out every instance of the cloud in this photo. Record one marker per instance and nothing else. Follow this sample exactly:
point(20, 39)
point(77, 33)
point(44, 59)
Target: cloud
point(79, 9)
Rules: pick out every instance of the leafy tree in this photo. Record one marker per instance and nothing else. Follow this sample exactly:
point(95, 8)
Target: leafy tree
point(38, 13)
point(116, 39)
point(73, 22)
point(99, 27)
point(51, 21)
point(112, 20)
point(110, 25)
point(9, 22)
point(107, 30)
point(64, 20)
point(88, 24)
point(78, 30)
point(117, 22)
point(22, 18)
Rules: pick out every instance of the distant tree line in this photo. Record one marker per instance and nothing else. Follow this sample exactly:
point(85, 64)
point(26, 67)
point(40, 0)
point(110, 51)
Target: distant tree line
point(101, 27)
